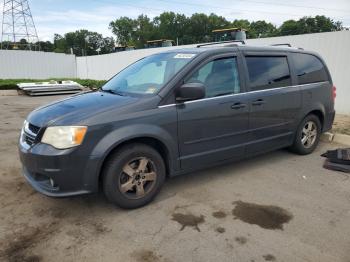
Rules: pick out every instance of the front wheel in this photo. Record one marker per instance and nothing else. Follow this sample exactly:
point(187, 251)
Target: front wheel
point(307, 135)
point(133, 176)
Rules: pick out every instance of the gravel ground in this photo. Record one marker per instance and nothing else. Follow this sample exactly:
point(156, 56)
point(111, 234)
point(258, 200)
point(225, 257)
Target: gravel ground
point(275, 207)
point(341, 124)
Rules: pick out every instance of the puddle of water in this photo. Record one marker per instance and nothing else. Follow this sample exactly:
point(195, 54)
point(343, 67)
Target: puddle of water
point(269, 257)
point(220, 230)
point(268, 217)
point(145, 256)
point(219, 214)
point(241, 240)
point(188, 220)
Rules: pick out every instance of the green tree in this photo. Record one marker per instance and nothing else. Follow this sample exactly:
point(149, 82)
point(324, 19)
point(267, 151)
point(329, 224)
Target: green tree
point(123, 28)
point(261, 29)
point(59, 44)
point(199, 28)
point(144, 31)
point(169, 25)
point(307, 25)
point(107, 45)
point(45, 46)
point(83, 42)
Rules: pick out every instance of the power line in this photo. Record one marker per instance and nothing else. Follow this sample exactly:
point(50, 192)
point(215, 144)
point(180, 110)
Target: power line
point(196, 5)
point(260, 2)
point(293, 5)
point(211, 6)
point(132, 5)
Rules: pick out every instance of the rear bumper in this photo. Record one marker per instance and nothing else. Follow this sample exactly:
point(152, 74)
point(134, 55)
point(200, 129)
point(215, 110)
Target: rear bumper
point(328, 121)
point(58, 173)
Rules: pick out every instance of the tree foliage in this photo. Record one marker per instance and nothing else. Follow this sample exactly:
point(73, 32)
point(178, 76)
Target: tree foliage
point(83, 42)
point(307, 25)
point(198, 27)
point(183, 29)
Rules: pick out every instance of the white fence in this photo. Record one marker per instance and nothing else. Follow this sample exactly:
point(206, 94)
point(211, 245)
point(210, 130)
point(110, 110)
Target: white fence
point(334, 48)
point(15, 64)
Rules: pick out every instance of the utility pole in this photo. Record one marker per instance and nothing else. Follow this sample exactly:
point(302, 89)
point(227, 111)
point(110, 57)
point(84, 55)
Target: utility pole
point(18, 26)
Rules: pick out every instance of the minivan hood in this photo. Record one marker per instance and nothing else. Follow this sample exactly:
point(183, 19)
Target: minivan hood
point(81, 106)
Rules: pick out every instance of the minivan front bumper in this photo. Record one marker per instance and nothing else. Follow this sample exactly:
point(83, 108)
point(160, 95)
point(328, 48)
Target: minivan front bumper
point(58, 173)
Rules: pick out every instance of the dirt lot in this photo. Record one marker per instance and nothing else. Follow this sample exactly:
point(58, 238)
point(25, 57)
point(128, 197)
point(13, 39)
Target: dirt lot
point(276, 207)
point(341, 124)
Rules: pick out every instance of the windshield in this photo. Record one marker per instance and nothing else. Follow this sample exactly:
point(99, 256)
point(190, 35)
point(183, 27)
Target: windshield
point(148, 75)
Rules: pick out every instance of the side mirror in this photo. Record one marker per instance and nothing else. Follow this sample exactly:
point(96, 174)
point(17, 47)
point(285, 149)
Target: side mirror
point(190, 91)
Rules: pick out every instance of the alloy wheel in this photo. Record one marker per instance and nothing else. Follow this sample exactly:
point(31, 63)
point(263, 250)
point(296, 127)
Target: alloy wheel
point(309, 134)
point(138, 178)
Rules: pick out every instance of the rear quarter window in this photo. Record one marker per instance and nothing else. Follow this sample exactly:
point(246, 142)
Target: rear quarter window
point(309, 69)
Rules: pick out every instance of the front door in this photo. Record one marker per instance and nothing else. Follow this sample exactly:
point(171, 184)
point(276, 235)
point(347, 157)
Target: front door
point(215, 128)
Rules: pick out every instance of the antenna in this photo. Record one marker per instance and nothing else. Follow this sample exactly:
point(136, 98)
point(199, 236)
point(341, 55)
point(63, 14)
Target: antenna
point(18, 27)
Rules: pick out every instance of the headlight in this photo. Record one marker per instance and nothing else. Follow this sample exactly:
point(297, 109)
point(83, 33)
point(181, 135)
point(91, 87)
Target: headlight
point(63, 137)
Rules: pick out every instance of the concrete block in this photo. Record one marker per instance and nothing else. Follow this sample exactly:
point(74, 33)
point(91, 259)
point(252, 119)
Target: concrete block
point(327, 137)
point(342, 139)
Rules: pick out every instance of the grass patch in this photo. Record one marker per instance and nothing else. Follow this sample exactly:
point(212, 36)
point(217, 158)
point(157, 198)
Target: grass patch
point(11, 84)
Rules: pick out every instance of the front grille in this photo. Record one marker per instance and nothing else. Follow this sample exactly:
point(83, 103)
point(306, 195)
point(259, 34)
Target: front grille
point(29, 139)
point(33, 128)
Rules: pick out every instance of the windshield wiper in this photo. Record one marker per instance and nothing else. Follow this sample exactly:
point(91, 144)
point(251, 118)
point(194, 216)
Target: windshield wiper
point(111, 91)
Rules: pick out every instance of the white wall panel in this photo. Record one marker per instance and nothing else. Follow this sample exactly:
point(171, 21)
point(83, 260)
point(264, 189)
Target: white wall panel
point(36, 65)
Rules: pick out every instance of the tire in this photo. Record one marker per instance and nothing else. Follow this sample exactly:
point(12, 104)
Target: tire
point(127, 171)
point(309, 129)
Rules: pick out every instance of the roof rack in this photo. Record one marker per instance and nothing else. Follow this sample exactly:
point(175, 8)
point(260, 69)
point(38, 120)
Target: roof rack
point(223, 42)
point(287, 44)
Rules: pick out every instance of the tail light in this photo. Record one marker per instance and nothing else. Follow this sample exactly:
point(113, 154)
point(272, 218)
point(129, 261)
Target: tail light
point(334, 92)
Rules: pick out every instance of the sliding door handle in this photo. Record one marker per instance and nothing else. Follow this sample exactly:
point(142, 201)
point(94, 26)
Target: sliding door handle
point(258, 102)
point(238, 105)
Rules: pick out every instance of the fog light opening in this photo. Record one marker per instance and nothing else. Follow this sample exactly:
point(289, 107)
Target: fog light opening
point(52, 182)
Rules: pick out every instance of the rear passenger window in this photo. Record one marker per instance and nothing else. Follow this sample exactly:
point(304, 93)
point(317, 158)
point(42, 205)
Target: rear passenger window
point(309, 69)
point(267, 72)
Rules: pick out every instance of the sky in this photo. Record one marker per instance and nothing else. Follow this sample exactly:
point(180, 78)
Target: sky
point(62, 16)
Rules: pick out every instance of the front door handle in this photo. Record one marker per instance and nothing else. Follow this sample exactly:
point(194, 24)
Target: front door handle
point(238, 105)
point(258, 102)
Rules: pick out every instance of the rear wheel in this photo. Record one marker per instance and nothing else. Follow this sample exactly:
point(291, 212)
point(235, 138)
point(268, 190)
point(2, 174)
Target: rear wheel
point(307, 136)
point(133, 176)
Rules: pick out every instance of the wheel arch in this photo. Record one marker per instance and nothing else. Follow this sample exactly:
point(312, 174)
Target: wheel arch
point(152, 136)
point(319, 113)
point(155, 143)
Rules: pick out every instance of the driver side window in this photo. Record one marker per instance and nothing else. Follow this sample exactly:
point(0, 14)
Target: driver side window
point(220, 77)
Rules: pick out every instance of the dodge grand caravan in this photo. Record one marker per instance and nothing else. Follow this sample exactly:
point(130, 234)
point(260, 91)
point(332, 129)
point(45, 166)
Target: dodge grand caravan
point(174, 112)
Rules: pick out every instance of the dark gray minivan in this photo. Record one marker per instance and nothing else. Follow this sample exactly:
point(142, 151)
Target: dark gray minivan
point(175, 112)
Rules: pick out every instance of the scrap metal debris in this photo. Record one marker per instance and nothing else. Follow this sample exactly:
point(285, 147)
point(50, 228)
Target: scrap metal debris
point(50, 88)
point(338, 160)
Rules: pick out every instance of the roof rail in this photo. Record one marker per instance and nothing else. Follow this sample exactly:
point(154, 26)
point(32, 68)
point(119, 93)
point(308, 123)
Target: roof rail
point(289, 45)
point(222, 42)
